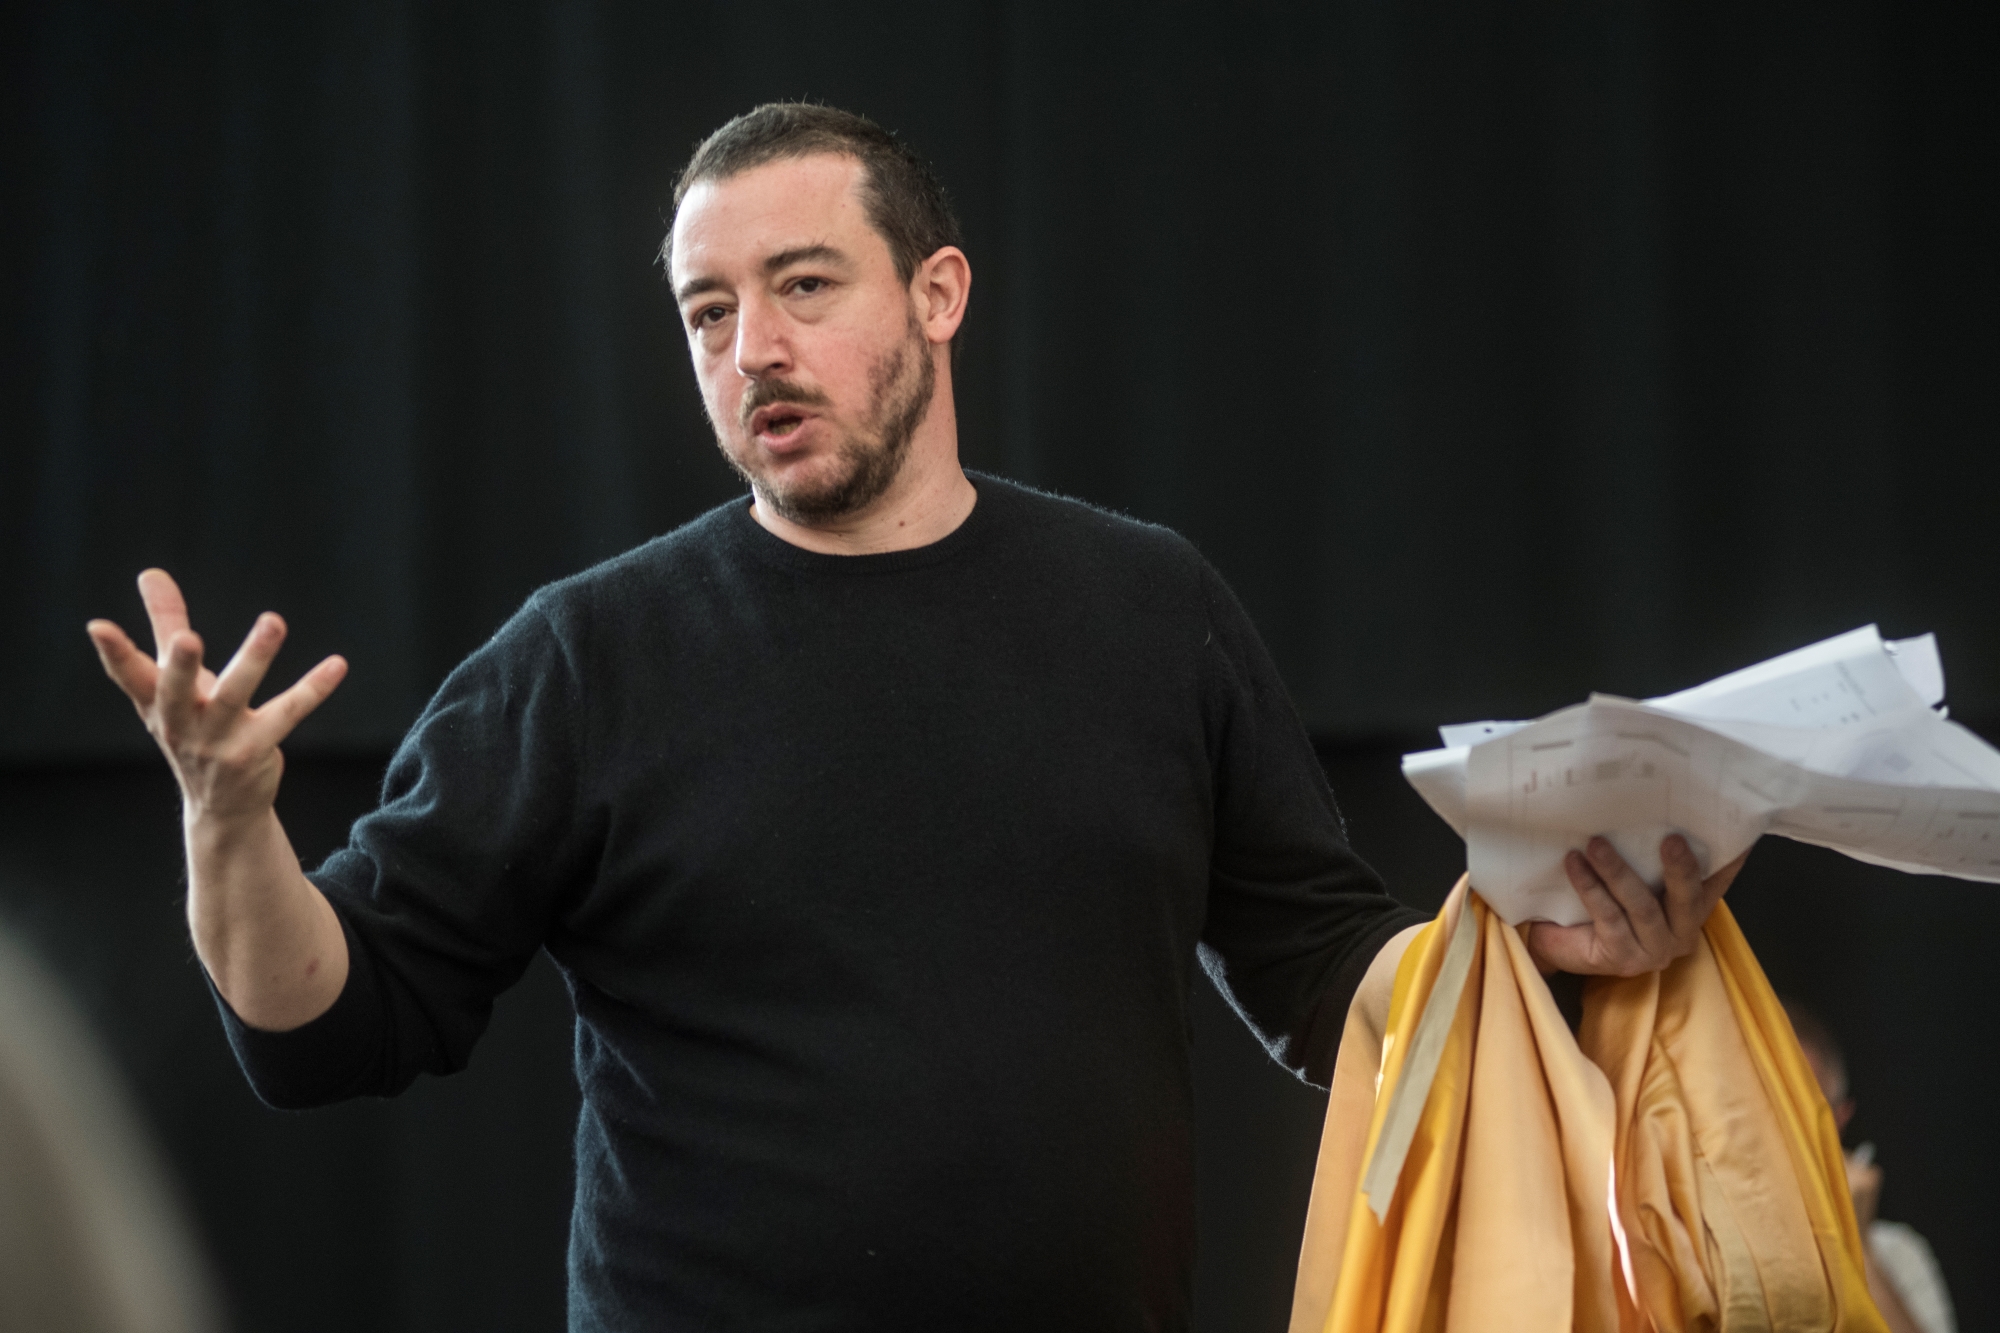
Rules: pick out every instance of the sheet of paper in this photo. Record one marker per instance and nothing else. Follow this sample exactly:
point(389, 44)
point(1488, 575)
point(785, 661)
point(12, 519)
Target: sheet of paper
point(1837, 744)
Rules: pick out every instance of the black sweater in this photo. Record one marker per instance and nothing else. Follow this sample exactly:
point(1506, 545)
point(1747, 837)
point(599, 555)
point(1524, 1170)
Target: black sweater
point(878, 883)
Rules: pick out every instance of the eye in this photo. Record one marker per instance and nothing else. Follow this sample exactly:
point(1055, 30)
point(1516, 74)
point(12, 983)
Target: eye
point(808, 286)
point(709, 316)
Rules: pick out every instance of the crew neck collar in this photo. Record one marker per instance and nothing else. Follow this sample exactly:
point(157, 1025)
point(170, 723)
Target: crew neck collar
point(771, 548)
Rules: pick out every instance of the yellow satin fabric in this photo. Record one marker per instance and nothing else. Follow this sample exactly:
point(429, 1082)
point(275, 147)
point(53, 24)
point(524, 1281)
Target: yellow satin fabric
point(1730, 1185)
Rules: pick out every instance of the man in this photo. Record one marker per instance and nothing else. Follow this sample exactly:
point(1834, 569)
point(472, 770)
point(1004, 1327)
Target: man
point(1903, 1273)
point(876, 825)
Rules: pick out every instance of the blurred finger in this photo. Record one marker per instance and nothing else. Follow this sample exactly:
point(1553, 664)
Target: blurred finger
point(1612, 943)
point(1598, 900)
point(131, 670)
point(165, 608)
point(245, 672)
point(1642, 909)
point(1682, 901)
point(283, 712)
point(175, 695)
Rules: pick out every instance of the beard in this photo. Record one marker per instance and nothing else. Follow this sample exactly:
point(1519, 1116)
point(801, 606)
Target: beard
point(866, 464)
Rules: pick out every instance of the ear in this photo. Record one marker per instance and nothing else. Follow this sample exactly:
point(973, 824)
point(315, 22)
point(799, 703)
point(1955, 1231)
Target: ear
point(939, 290)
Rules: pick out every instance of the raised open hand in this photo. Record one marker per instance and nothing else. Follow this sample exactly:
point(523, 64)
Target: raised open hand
point(223, 751)
point(1632, 929)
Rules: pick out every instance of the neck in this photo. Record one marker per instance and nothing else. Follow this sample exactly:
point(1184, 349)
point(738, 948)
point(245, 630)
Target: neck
point(927, 501)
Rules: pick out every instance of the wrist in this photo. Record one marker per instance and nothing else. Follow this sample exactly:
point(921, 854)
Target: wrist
point(222, 827)
point(231, 854)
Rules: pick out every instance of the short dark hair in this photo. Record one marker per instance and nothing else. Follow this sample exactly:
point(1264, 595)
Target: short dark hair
point(906, 202)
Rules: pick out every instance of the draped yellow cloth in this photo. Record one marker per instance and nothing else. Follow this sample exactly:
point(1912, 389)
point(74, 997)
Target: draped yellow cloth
point(1685, 1098)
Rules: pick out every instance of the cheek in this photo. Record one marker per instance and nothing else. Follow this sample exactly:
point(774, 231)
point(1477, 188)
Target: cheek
point(850, 372)
point(721, 388)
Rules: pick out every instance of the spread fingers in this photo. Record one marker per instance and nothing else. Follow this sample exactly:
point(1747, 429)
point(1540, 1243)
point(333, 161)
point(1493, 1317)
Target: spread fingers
point(165, 607)
point(132, 671)
point(245, 672)
point(179, 671)
point(281, 713)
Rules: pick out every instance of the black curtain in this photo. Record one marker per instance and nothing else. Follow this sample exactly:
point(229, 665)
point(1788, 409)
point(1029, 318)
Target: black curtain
point(1495, 354)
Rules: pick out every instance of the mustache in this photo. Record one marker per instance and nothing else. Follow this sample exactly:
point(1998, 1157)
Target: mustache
point(763, 393)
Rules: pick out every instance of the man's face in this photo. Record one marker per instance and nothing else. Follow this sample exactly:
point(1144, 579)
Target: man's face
point(813, 368)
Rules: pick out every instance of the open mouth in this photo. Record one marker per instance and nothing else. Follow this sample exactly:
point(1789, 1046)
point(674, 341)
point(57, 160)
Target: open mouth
point(777, 422)
point(781, 424)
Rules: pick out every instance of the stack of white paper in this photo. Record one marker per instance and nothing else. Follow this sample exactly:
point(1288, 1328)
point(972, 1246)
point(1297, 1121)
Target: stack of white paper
point(1840, 744)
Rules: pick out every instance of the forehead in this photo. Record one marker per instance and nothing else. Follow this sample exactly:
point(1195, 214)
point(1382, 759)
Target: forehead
point(735, 223)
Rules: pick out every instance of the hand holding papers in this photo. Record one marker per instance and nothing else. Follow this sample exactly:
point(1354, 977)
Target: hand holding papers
point(1839, 744)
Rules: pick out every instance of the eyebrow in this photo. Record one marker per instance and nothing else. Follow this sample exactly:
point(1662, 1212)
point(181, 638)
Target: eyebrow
point(798, 254)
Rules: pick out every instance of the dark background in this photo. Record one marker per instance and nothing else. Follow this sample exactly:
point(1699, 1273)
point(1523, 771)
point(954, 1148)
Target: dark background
point(1495, 354)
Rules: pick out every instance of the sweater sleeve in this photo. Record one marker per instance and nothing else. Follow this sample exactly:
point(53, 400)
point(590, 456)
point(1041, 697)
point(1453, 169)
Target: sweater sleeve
point(1294, 916)
point(446, 890)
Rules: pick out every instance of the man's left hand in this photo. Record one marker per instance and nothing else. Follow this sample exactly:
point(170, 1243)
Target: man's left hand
point(1632, 928)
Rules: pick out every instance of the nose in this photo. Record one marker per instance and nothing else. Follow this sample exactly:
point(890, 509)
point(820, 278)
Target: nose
point(763, 345)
